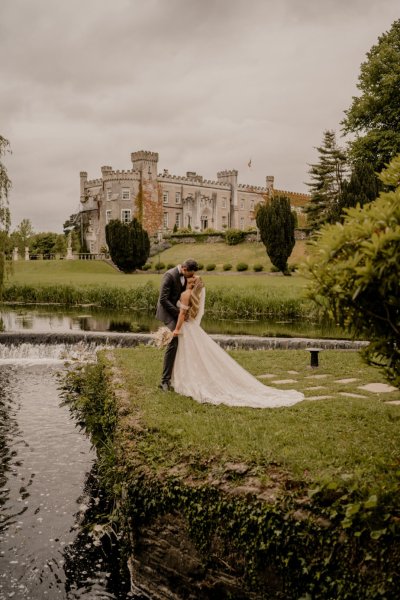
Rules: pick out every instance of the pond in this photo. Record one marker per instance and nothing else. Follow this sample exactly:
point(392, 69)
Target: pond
point(61, 319)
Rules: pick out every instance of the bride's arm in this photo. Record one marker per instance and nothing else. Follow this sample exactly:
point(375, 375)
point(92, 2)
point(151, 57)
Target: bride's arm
point(184, 307)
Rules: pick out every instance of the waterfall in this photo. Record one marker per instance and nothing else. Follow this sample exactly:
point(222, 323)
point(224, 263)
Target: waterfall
point(28, 353)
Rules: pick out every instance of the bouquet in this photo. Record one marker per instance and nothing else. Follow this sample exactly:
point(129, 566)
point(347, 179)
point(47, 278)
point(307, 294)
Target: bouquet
point(162, 337)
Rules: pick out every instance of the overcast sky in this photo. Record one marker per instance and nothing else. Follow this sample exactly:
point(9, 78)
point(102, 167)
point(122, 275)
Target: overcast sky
point(208, 84)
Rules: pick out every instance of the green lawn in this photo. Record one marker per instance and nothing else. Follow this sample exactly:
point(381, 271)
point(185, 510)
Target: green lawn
point(343, 436)
point(84, 273)
point(220, 253)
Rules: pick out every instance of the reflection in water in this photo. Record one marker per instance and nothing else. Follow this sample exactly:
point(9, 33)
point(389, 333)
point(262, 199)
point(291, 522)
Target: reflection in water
point(58, 319)
point(44, 462)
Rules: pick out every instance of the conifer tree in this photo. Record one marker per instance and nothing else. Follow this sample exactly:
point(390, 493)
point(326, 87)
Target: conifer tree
point(361, 188)
point(128, 243)
point(5, 186)
point(326, 184)
point(276, 222)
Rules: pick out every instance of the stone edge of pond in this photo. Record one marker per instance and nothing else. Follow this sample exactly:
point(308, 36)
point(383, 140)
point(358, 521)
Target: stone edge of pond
point(230, 342)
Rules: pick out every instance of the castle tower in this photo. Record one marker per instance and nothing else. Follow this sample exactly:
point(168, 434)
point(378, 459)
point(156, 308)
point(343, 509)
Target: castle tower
point(146, 163)
point(150, 200)
point(231, 177)
point(269, 182)
point(83, 180)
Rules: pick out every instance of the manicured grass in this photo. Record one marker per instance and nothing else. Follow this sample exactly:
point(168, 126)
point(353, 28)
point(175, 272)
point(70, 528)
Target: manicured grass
point(220, 253)
point(340, 437)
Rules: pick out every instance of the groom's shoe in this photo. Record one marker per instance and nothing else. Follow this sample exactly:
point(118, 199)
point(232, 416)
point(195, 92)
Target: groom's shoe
point(165, 387)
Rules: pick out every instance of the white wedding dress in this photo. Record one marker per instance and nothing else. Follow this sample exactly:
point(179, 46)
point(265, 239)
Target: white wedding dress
point(204, 371)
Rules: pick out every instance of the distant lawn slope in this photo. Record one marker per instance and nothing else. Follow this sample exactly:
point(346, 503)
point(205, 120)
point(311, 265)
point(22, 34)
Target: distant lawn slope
point(220, 253)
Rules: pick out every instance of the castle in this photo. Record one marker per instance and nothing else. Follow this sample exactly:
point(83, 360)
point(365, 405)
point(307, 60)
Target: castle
point(163, 201)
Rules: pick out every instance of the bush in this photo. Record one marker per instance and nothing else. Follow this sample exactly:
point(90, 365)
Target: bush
point(128, 243)
point(227, 267)
point(276, 223)
point(170, 266)
point(242, 266)
point(275, 269)
point(211, 267)
point(258, 267)
point(234, 236)
point(355, 274)
point(201, 266)
point(146, 267)
point(159, 266)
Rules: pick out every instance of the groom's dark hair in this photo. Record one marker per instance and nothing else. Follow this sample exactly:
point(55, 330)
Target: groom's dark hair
point(191, 265)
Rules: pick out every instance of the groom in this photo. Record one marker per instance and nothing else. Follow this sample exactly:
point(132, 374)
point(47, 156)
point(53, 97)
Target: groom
point(172, 285)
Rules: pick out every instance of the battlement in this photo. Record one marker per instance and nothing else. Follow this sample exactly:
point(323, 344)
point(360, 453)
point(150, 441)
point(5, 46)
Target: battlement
point(168, 178)
point(144, 155)
point(106, 169)
point(295, 195)
point(83, 174)
point(227, 173)
point(93, 182)
point(244, 187)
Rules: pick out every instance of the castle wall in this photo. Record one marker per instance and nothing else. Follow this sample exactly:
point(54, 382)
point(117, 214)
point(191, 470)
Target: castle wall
point(162, 201)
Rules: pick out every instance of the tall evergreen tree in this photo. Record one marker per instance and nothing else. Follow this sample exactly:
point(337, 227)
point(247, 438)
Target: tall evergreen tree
point(374, 116)
point(361, 188)
point(128, 243)
point(276, 222)
point(327, 178)
point(5, 186)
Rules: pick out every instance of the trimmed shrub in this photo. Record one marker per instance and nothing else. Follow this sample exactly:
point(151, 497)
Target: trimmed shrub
point(146, 267)
point(211, 267)
point(234, 236)
point(201, 266)
point(227, 267)
point(258, 267)
point(159, 266)
point(242, 266)
point(170, 266)
point(128, 243)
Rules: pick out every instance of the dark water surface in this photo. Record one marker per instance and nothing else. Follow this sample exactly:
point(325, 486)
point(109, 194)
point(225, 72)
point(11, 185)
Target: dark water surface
point(47, 489)
point(59, 319)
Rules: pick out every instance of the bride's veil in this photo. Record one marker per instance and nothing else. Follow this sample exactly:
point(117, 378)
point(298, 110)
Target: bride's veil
point(200, 313)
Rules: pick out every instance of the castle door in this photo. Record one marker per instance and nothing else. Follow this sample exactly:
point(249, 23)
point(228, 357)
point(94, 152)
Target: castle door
point(204, 222)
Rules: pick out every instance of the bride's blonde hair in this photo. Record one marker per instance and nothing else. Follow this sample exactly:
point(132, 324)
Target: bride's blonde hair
point(195, 297)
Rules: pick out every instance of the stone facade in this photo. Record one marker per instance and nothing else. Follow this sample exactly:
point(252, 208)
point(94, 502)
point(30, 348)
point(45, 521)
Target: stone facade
point(161, 201)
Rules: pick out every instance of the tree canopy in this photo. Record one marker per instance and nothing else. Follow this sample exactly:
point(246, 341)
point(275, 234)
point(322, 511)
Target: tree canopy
point(128, 243)
point(374, 116)
point(276, 222)
point(326, 185)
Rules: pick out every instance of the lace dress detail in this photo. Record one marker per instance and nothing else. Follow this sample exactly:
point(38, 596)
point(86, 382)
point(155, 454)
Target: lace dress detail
point(204, 371)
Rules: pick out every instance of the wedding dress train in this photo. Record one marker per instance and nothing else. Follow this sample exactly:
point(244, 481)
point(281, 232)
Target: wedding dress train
point(204, 371)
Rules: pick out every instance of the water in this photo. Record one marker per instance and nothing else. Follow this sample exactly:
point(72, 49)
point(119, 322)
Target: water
point(61, 319)
point(48, 490)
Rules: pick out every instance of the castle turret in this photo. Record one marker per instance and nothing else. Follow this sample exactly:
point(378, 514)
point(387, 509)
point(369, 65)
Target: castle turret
point(83, 180)
point(146, 163)
point(269, 182)
point(106, 169)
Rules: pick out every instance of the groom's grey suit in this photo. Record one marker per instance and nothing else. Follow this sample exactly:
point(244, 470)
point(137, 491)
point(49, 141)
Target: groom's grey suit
point(168, 312)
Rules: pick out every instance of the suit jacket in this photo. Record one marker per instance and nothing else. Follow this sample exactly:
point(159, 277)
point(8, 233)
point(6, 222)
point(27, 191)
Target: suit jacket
point(170, 292)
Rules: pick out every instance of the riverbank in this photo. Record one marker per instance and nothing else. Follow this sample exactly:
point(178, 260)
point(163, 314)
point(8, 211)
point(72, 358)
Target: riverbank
point(245, 503)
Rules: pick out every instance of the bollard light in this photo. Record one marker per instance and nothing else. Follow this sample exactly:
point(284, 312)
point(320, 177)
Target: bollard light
point(314, 356)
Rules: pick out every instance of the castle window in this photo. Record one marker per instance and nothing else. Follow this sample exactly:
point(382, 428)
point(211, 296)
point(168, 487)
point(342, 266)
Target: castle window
point(178, 220)
point(165, 197)
point(108, 193)
point(242, 223)
point(223, 203)
point(177, 197)
point(251, 204)
point(224, 221)
point(108, 216)
point(126, 194)
point(165, 220)
point(126, 215)
point(242, 204)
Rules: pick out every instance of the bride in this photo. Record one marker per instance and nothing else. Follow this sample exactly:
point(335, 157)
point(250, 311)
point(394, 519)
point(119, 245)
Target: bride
point(204, 371)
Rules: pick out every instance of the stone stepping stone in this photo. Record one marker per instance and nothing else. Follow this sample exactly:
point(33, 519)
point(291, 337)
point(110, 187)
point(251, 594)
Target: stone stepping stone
point(318, 397)
point(316, 376)
point(293, 372)
point(378, 388)
point(349, 380)
point(282, 381)
point(392, 402)
point(351, 395)
point(316, 387)
point(266, 376)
